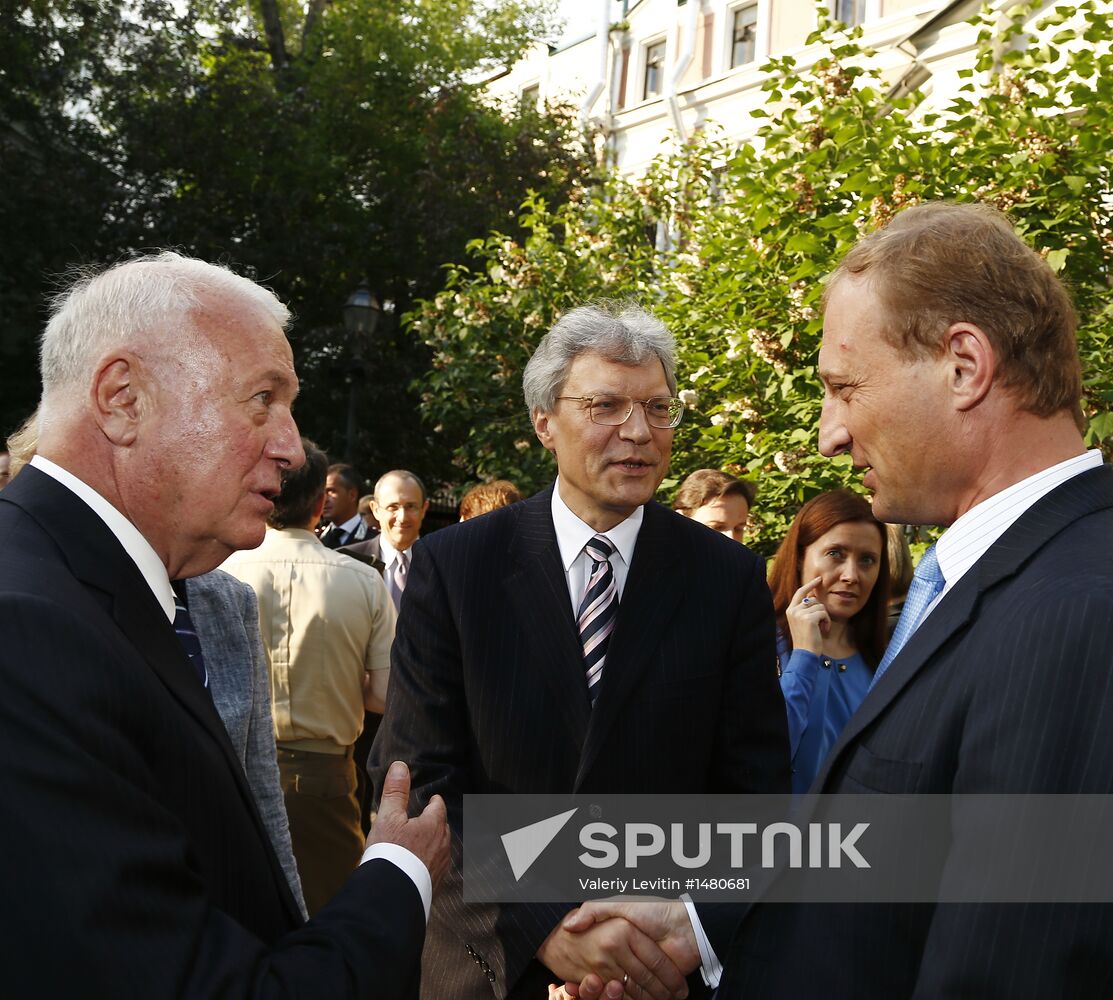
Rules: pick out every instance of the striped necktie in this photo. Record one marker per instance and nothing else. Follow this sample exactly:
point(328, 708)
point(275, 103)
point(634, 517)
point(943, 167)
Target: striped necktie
point(187, 634)
point(598, 611)
point(927, 584)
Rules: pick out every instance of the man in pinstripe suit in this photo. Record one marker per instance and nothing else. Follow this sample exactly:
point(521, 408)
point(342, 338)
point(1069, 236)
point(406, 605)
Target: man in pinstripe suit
point(584, 640)
point(952, 376)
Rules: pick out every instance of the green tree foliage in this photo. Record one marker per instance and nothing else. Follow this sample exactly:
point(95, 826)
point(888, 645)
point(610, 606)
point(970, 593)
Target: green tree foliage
point(751, 236)
point(311, 144)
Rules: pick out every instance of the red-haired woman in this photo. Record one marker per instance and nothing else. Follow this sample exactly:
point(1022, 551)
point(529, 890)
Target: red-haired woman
point(830, 583)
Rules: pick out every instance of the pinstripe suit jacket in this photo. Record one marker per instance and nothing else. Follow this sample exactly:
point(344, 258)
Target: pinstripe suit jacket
point(131, 847)
point(1007, 687)
point(488, 694)
point(225, 614)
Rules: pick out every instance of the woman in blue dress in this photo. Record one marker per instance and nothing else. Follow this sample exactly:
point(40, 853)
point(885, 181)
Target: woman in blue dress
point(830, 582)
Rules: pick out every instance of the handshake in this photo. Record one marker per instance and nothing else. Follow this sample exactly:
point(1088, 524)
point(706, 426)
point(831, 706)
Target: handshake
point(635, 949)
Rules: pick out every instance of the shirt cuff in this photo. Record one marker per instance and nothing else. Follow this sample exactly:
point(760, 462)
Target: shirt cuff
point(710, 967)
point(411, 864)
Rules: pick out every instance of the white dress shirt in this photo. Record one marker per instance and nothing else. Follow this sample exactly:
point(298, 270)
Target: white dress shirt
point(573, 534)
point(154, 572)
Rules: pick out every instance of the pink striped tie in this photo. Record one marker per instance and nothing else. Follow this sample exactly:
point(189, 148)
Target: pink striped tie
point(598, 611)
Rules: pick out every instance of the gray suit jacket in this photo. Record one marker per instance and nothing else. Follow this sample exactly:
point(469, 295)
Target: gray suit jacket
point(226, 615)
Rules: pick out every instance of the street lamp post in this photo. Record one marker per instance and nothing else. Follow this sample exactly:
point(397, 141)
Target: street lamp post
point(361, 317)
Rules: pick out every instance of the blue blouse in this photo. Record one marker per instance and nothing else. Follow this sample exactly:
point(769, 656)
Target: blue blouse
point(820, 700)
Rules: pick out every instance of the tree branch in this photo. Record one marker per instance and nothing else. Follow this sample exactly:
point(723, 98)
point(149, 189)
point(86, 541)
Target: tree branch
point(276, 39)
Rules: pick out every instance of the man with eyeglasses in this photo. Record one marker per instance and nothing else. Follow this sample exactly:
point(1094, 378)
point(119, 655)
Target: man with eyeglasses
point(399, 504)
point(586, 640)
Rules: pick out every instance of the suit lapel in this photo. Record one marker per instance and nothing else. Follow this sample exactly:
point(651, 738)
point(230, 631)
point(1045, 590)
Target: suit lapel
point(649, 598)
point(1084, 494)
point(536, 590)
point(97, 559)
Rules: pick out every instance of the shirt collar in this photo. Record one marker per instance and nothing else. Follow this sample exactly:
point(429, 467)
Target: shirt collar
point(573, 534)
point(390, 553)
point(351, 524)
point(968, 539)
point(127, 534)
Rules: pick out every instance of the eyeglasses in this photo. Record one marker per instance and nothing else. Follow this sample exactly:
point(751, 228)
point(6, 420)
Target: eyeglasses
point(612, 410)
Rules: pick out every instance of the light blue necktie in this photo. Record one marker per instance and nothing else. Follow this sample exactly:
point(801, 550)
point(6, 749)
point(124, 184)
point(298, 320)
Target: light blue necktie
point(927, 584)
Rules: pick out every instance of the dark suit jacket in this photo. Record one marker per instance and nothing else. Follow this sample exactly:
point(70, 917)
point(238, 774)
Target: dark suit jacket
point(487, 644)
point(132, 856)
point(369, 551)
point(1006, 687)
point(330, 541)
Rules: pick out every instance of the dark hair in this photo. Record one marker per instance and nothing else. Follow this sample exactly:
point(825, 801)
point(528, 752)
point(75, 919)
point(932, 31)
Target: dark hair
point(938, 264)
point(486, 497)
point(347, 475)
point(301, 490)
point(818, 516)
point(705, 486)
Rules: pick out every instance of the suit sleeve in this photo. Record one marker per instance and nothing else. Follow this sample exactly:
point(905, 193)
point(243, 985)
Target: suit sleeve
point(102, 873)
point(426, 725)
point(751, 751)
point(261, 758)
point(1038, 722)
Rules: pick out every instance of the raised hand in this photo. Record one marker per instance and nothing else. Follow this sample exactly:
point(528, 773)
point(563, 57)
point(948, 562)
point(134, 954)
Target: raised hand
point(807, 617)
point(425, 836)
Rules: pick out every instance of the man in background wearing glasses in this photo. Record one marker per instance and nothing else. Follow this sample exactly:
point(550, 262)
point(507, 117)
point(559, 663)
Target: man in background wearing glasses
point(563, 643)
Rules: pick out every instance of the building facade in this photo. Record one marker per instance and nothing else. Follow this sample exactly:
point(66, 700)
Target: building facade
point(645, 73)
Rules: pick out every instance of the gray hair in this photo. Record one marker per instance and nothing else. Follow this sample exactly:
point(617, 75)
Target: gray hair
point(620, 332)
point(144, 297)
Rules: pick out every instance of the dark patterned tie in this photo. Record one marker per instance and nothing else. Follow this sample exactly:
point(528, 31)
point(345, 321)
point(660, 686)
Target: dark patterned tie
point(187, 635)
point(597, 613)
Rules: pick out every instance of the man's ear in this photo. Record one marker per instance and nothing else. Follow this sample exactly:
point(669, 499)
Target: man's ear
point(972, 362)
point(541, 429)
point(117, 387)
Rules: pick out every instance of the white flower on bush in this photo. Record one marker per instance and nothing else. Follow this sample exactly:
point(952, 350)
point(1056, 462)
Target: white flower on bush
point(689, 397)
point(718, 419)
point(699, 373)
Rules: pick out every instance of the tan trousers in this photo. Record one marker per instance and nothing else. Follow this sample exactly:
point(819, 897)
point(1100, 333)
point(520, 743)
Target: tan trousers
point(321, 803)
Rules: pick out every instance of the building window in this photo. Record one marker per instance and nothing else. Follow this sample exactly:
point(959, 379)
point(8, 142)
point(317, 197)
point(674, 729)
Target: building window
point(850, 12)
point(744, 40)
point(654, 70)
point(529, 97)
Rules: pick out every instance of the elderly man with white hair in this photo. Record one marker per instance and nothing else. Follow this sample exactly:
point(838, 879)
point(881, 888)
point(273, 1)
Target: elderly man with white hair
point(132, 854)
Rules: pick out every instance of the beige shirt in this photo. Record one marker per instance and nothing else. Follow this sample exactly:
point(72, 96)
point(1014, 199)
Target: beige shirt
point(326, 618)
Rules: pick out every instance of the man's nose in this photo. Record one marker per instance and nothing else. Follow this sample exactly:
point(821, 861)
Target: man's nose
point(834, 438)
point(636, 426)
point(285, 443)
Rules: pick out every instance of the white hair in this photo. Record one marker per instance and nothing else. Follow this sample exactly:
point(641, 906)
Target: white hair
point(140, 299)
point(619, 331)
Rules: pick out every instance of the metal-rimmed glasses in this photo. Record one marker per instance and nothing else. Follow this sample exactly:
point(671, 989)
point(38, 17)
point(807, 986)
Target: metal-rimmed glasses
point(612, 410)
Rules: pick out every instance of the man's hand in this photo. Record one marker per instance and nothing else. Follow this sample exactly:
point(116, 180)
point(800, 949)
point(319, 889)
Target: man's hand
point(425, 836)
point(665, 921)
point(617, 951)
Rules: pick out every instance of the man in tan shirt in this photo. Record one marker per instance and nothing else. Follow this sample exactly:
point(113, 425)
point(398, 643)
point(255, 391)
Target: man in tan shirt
point(327, 624)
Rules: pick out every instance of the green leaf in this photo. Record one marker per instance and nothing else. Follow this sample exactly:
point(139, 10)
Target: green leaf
point(1057, 259)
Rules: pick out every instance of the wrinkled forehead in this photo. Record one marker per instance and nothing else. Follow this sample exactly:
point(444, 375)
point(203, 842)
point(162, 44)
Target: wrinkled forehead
point(591, 372)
